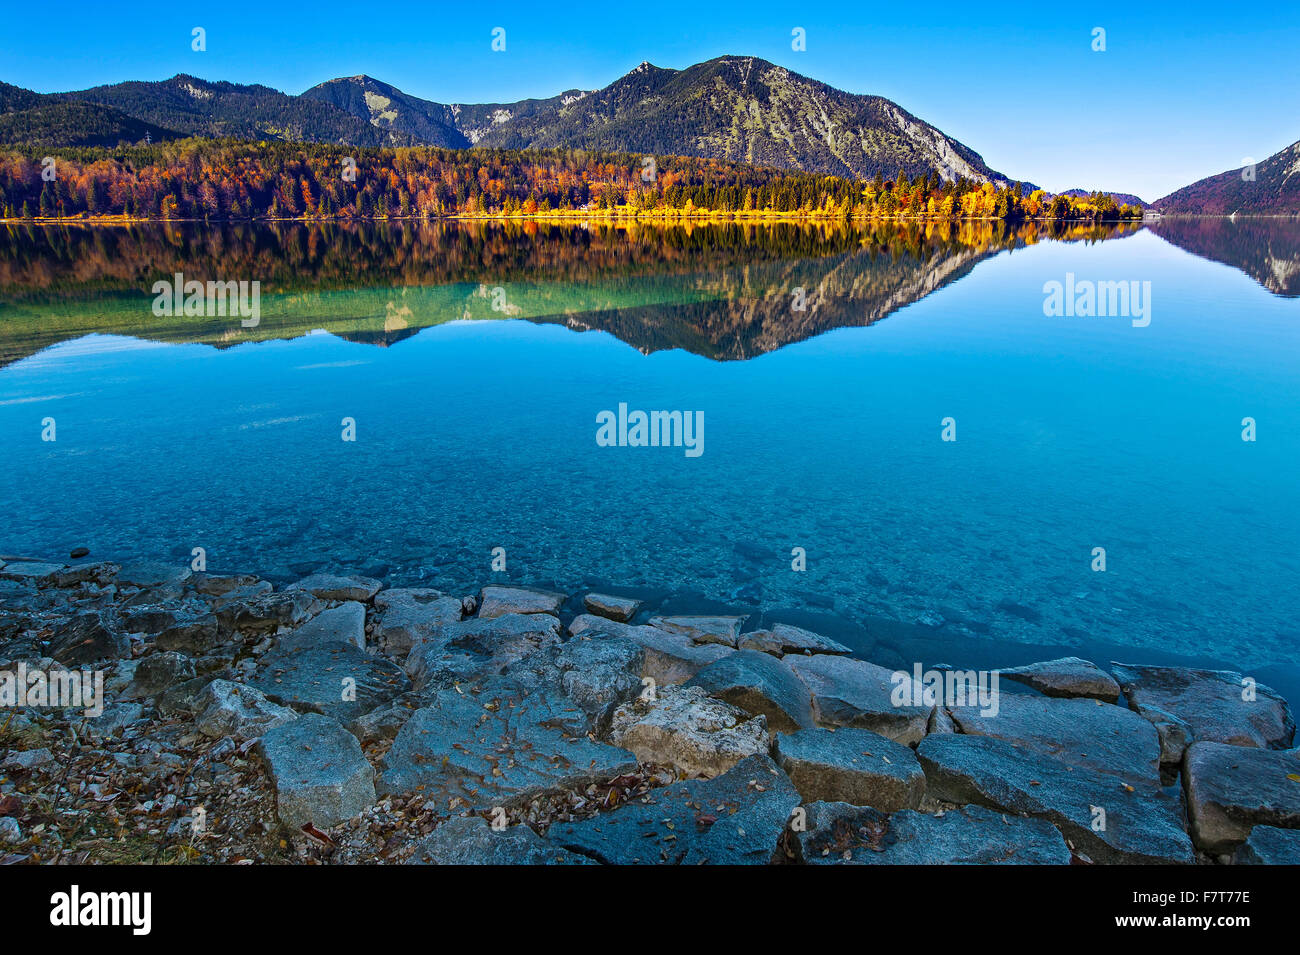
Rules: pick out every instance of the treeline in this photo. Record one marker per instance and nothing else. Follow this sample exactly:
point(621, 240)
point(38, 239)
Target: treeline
point(235, 180)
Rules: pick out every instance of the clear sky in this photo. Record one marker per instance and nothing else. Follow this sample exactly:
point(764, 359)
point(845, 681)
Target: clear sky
point(1183, 90)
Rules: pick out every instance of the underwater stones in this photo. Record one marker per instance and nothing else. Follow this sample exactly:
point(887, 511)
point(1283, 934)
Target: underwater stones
point(496, 601)
point(1219, 706)
point(852, 766)
point(685, 728)
point(1068, 677)
point(320, 774)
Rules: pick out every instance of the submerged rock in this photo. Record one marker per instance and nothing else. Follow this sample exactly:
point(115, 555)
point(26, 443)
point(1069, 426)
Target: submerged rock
point(685, 728)
point(851, 766)
point(1231, 789)
point(1069, 677)
point(1216, 704)
point(761, 685)
point(320, 774)
point(838, 833)
point(734, 819)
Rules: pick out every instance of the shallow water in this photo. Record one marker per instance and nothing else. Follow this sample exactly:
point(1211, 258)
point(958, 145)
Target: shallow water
point(1072, 433)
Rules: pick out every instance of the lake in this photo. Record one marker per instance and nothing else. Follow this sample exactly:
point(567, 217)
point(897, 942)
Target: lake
point(826, 365)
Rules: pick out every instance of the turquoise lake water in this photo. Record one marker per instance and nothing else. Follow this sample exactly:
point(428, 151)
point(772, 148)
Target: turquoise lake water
point(1072, 434)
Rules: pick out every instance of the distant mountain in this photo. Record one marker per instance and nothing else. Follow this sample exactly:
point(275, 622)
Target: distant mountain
point(1122, 198)
point(40, 119)
point(198, 108)
point(1274, 190)
point(742, 109)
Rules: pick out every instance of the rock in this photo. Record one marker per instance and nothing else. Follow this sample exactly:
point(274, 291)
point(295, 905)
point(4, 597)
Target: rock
point(841, 834)
point(319, 772)
point(182, 697)
point(1142, 825)
point(26, 760)
point(496, 748)
point(150, 574)
point(1211, 703)
point(496, 601)
point(669, 657)
point(940, 722)
point(621, 609)
point(1175, 735)
point(1069, 677)
point(381, 724)
point(784, 638)
point(257, 588)
point(157, 672)
point(336, 679)
point(217, 585)
point(759, 684)
point(685, 728)
point(195, 636)
point(703, 629)
point(334, 587)
point(88, 638)
point(269, 611)
point(1085, 733)
point(10, 831)
point(470, 840)
point(345, 623)
point(852, 766)
point(601, 671)
point(29, 572)
point(734, 819)
point(479, 647)
point(101, 574)
point(409, 617)
point(116, 716)
point(850, 692)
point(1230, 789)
point(231, 709)
point(1269, 845)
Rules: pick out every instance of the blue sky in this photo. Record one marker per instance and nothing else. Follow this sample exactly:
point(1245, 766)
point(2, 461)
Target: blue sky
point(1182, 91)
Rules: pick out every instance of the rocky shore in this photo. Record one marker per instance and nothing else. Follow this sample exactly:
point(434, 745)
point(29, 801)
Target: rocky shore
point(334, 720)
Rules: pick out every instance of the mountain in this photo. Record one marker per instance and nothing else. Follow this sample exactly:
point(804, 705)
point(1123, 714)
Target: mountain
point(1275, 190)
point(41, 119)
point(742, 109)
point(1121, 198)
point(1267, 251)
point(746, 110)
point(196, 107)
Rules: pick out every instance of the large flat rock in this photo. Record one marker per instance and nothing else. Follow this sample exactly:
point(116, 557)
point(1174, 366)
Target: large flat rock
point(470, 840)
point(1231, 789)
point(410, 616)
point(713, 628)
point(850, 692)
point(497, 601)
point(1136, 825)
point(621, 609)
point(497, 748)
point(783, 638)
point(852, 766)
point(1216, 704)
point(761, 685)
point(838, 833)
point(478, 647)
point(336, 679)
point(345, 623)
point(669, 657)
point(319, 772)
point(1081, 732)
point(1269, 845)
point(734, 819)
point(337, 587)
point(1068, 677)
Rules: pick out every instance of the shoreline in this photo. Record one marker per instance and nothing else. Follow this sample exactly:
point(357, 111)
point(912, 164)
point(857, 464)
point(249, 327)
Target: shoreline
point(576, 719)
